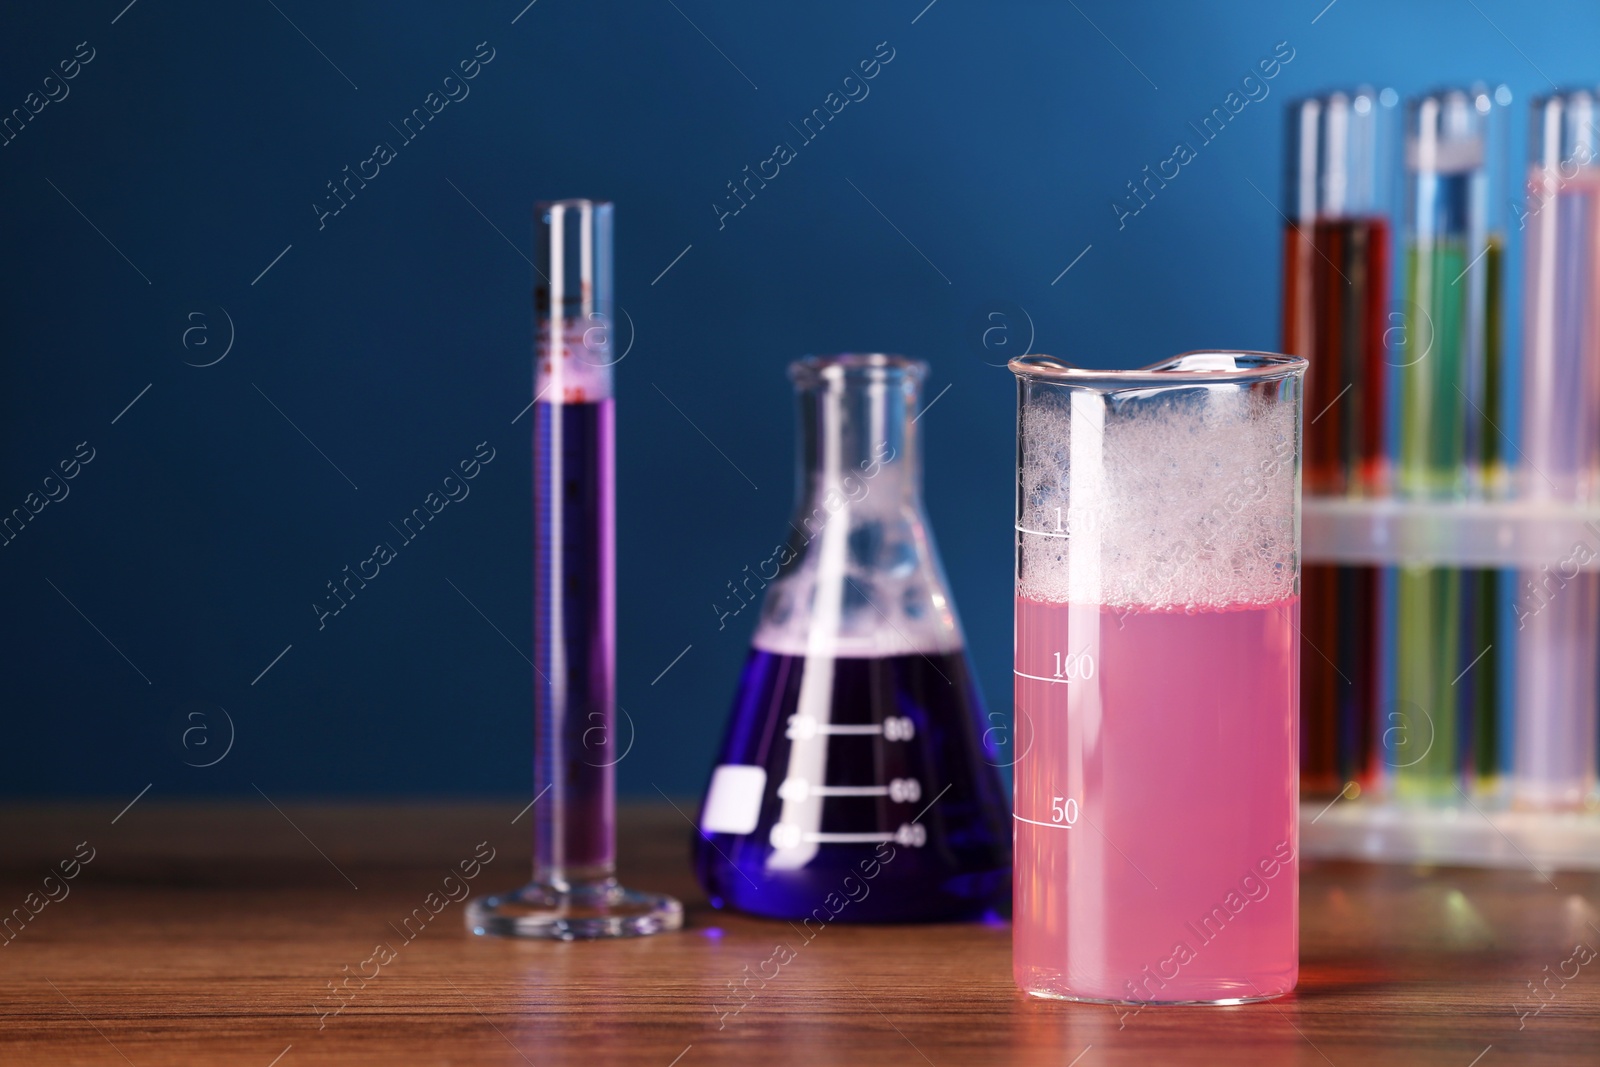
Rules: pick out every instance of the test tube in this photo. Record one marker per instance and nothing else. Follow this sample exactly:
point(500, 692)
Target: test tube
point(1336, 277)
point(1558, 607)
point(1443, 726)
point(574, 893)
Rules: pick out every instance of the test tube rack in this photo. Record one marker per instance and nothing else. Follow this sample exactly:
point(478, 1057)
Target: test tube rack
point(1477, 831)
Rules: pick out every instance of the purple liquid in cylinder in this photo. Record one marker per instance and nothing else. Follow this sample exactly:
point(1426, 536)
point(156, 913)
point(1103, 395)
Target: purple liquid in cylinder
point(574, 636)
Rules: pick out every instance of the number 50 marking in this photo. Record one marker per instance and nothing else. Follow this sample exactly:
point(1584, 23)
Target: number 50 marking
point(1063, 810)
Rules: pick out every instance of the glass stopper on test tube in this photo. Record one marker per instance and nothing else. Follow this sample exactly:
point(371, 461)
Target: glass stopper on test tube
point(574, 893)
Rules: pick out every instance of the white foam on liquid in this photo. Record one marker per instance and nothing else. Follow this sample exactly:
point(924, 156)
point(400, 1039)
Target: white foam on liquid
point(1185, 504)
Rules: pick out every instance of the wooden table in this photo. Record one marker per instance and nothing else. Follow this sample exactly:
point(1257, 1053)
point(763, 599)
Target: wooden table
point(211, 935)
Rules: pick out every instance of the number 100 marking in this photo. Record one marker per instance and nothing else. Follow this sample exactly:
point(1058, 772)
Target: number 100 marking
point(1074, 666)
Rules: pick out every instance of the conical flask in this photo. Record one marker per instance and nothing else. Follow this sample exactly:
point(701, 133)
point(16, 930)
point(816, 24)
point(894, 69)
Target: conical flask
point(856, 782)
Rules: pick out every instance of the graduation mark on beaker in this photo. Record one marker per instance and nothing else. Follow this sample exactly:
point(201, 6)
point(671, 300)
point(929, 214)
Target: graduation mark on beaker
point(1064, 522)
point(1042, 533)
point(1065, 817)
point(1068, 667)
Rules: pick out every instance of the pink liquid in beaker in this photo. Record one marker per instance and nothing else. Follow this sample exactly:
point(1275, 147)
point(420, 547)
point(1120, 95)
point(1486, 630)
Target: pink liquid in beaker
point(1156, 803)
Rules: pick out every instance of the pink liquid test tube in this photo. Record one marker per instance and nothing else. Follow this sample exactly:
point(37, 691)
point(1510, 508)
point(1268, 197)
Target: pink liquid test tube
point(1157, 680)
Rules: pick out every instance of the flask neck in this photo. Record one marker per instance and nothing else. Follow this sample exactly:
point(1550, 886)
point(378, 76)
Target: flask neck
point(852, 428)
point(859, 575)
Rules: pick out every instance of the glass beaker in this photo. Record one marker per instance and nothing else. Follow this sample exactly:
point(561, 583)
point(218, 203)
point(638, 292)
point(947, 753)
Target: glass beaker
point(1157, 669)
point(856, 781)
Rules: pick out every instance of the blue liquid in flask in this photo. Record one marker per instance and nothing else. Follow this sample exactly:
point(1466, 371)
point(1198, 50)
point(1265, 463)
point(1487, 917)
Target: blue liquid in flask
point(857, 781)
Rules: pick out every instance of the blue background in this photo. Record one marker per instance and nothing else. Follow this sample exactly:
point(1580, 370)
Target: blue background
point(396, 337)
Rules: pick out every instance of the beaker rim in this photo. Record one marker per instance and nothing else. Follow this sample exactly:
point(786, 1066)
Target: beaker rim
point(871, 366)
point(1190, 368)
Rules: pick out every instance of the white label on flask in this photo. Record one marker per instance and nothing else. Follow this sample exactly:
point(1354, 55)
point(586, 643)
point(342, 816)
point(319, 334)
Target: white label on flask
point(733, 803)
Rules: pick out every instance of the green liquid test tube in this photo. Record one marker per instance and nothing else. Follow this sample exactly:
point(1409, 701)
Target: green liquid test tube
point(1442, 731)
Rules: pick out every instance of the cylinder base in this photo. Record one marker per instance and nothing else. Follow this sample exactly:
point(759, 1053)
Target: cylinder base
point(582, 911)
